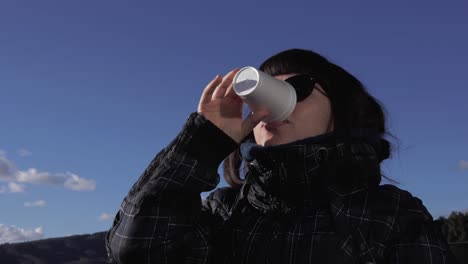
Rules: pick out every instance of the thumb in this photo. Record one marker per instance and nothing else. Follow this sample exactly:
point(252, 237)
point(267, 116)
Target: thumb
point(251, 121)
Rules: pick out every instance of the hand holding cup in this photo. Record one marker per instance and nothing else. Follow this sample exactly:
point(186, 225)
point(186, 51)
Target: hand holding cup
point(223, 107)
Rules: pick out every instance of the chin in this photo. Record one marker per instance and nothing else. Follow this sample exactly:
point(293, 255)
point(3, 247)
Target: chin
point(274, 141)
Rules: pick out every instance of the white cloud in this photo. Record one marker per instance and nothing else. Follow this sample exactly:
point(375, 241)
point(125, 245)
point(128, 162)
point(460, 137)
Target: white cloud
point(14, 187)
point(105, 217)
point(24, 153)
point(7, 169)
point(2, 153)
point(12, 234)
point(71, 181)
point(463, 165)
point(76, 183)
point(33, 176)
point(39, 230)
point(38, 203)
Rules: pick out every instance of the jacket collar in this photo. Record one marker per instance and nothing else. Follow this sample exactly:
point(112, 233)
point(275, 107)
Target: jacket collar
point(305, 173)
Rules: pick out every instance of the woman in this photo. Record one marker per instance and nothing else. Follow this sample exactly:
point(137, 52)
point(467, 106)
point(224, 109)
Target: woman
point(310, 192)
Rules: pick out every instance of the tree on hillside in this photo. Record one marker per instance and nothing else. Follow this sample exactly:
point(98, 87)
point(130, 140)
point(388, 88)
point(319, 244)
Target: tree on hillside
point(455, 227)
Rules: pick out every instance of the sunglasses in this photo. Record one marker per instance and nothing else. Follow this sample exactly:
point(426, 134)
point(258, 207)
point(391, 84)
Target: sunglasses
point(303, 85)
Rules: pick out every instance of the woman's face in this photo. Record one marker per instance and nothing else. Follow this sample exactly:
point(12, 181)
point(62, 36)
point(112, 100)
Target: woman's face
point(311, 117)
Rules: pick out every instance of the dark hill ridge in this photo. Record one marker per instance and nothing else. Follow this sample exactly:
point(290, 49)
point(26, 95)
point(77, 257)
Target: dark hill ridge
point(79, 249)
point(90, 249)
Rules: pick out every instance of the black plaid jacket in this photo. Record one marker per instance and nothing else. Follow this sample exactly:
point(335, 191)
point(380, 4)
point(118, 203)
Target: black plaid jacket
point(290, 210)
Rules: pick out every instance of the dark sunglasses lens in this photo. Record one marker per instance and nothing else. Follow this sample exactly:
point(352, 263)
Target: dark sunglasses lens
point(304, 85)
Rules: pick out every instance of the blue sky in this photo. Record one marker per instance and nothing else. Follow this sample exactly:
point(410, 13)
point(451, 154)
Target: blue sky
point(91, 90)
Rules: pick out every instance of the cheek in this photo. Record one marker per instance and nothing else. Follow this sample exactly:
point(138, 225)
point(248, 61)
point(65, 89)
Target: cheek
point(325, 118)
point(315, 116)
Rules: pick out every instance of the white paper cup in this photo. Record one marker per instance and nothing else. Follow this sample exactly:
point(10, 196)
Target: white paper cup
point(262, 91)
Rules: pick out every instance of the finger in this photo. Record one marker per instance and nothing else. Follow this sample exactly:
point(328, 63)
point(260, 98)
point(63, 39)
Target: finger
point(230, 91)
point(227, 80)
point(251, 121)
point(209, 89)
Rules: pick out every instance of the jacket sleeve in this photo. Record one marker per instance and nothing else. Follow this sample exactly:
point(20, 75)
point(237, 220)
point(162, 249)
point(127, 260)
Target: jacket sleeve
point(419, 239)
point(162, 219)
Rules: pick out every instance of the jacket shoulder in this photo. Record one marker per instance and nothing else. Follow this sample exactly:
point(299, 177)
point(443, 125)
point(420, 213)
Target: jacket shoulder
point(406, 203)
point(387, 209)
point(405, 214)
